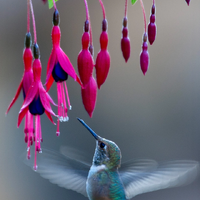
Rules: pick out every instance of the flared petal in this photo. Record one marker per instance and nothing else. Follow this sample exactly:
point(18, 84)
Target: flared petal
point(49, 116)
point(22, 113)
point(15, 97)
point(50, 66)
point(48, 96)
point(45, 101)
point(65, 63)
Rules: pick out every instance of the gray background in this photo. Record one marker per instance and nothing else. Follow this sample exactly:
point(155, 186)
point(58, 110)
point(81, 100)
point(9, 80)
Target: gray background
point(156, 116)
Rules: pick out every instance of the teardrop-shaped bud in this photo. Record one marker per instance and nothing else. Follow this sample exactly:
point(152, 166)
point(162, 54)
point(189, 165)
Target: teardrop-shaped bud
point(125, 44)
point(152, 26)
point(144, 58)
point(102, 66)
point(89, 95)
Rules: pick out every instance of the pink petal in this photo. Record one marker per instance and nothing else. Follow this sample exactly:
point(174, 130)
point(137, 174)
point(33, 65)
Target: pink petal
point(22, 113)
point(15, 97)
point(50, 66)
point(44, 99)
point(65, 63)
point(49, 116)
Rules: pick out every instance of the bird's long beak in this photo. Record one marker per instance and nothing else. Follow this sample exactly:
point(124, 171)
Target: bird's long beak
point(89, 129)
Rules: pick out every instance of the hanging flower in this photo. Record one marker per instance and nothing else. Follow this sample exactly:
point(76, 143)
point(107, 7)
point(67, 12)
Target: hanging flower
point(37, 101)
point(24, 85)
point(58, 69)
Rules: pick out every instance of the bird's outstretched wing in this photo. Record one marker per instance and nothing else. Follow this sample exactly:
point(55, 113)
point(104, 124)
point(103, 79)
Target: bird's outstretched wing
point(62, 169)
point(141, 176)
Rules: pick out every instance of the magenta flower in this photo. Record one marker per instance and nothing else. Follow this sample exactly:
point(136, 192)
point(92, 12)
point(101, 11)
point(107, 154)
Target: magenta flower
point(24, 85)
point(37, 101)
point(103, 57)
point(152, 26)
point(58, 69)
point(89, 95)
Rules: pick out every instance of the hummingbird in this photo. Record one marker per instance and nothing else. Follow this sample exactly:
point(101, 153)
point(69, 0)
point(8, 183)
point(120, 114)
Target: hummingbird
point(107, 178)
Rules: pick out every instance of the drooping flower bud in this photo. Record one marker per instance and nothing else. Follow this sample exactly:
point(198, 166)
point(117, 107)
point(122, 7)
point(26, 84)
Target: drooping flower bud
point(125, 41)
point(89, 95)
point(103, 58)
point(144, 55)
point(152, 26)
point(85, 61)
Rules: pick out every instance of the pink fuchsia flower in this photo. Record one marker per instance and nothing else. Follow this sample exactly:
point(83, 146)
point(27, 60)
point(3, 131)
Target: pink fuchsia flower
point(188, 2)
point(37, 102)
point(103, 57)
point(144, 56)
point(85, 60)
point(89, 95)
point(125, 41)
point(58, 69)
point(152, 26)
point(24, 85)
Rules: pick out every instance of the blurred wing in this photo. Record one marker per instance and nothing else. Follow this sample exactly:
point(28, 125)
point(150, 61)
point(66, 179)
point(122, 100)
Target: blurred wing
point(143, 176)
point(62, 170)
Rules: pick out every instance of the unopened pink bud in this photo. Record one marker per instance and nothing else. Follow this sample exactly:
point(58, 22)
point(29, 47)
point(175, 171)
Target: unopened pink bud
point(144, 58)
point(89, 95)
point(125, 44)
point(152, 26)
point(103, 60)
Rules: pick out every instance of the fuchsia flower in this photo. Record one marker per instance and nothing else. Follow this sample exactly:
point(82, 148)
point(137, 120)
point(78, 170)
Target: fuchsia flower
point(37, 102)
point(24, 85)
point(85, 61)
point(144, 56)
point(89, 95)
point(125, 41)
point(58, 69)
point(152, 26)
point(188, 2)
point(103, 57)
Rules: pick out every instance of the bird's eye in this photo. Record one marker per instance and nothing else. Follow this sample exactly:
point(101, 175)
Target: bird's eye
point(102, 145)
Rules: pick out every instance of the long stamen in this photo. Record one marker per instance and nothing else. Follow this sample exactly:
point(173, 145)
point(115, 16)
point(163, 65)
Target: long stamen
point(68, 101)
point(58, 120)
point(64, 104)
point(36, 142)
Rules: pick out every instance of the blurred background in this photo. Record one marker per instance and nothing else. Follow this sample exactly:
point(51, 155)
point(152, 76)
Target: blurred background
point(156, 116)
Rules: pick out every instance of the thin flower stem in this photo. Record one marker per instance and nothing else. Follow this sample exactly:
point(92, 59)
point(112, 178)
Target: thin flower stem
point(144, 15)
point(126, 6)
point(103, 9)
point(54, 4)
point(28, 16)
point(34, 26)
point(153, 2)
point(91, 43)
point(86, 9)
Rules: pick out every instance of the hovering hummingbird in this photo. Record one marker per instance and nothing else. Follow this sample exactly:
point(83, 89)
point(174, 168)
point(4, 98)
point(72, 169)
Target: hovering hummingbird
point(106, 180)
